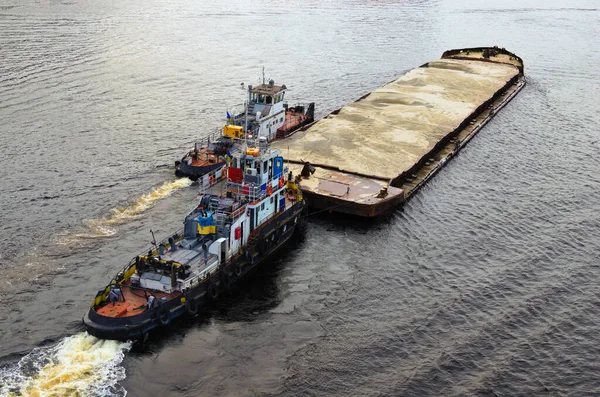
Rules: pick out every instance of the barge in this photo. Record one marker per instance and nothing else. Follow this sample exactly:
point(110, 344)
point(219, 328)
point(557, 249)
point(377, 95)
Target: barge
point(369, 157)
point(234, 228)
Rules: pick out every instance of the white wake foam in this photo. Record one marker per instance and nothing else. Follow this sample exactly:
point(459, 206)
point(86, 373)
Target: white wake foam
point(80, 365)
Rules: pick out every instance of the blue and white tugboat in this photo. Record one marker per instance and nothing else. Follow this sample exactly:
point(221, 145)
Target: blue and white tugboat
point(225, 236)
point(265, 115)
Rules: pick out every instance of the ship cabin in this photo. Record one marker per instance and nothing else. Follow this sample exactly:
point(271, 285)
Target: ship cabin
point(259, 172)
point(256, 192)
point(265, 103)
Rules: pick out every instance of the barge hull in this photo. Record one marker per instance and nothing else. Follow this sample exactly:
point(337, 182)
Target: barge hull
point(421, 115)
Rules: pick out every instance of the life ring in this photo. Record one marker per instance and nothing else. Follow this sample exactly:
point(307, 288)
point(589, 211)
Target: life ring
point(281, 182)
point(163, 315)
point(226, 280)
point(213, 291)
point(269, 189)
point(191, 306)
point(237, 270)
point(211, 180)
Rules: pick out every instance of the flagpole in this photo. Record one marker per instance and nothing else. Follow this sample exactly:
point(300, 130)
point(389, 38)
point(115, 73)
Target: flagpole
point(246, 125)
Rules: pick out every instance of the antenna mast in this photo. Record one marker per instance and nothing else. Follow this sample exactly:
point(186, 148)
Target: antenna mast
point(153, 242)
point(246, 125)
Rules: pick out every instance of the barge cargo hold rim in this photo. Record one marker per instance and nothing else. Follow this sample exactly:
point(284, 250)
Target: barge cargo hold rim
point(456, 54)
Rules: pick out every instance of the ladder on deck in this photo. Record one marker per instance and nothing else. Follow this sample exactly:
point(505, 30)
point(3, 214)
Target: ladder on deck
point(219, 216)
point(251, 108)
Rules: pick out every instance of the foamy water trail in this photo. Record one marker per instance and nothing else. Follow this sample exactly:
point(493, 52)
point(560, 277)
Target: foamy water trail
point(120, 215)
point(104, 227)
point(80, 365)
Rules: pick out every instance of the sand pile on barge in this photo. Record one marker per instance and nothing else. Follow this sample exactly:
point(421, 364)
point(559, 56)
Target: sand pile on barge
point(391, 129)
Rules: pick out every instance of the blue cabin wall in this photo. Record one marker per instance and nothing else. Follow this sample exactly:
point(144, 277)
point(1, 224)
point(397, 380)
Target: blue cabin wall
point(278, 167)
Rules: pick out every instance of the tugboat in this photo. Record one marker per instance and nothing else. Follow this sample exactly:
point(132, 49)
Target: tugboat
point(265, 114)
point(224, 237)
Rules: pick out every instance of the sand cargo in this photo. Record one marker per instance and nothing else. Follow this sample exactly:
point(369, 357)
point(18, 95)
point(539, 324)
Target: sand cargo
point(370, 156)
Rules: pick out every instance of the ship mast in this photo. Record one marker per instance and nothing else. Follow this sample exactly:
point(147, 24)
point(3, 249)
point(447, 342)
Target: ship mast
point(246, 125)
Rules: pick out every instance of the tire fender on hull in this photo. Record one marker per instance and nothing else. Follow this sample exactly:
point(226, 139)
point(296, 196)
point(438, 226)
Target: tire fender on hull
point(226, 280)
point(163, 315)
point(262, 247)
point(213, 291)
point(277, 236)
point(250, 257)
point(237, 270)
point(191, 306)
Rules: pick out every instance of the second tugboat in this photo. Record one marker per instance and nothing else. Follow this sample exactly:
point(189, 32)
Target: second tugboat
point(265, 115)
point(224, 237)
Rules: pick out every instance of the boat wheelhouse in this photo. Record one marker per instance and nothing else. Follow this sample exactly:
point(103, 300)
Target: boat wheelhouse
point(268, 115)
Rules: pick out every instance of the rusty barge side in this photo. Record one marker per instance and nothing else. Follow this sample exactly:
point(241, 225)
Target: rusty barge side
point(369, 157)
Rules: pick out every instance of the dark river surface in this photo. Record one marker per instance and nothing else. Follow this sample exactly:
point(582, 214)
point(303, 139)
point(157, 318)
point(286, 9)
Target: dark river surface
point(485, 283)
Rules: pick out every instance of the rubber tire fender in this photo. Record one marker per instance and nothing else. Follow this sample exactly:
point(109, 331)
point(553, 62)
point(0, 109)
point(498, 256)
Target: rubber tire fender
point(226, 280)
point(249, 258)
point(213, 291)
point(163, 316)
point(277, 234)
point(262, 247)
point(191, 306)
point(237, 270)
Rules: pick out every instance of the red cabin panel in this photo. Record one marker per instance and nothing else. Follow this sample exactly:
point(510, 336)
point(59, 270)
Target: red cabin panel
point(235, 174)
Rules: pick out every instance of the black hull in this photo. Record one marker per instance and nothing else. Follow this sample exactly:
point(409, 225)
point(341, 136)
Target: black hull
point(183, 170)
point(272, 238)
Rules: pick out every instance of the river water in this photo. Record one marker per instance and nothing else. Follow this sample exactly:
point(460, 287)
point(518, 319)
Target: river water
point(485, 283)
